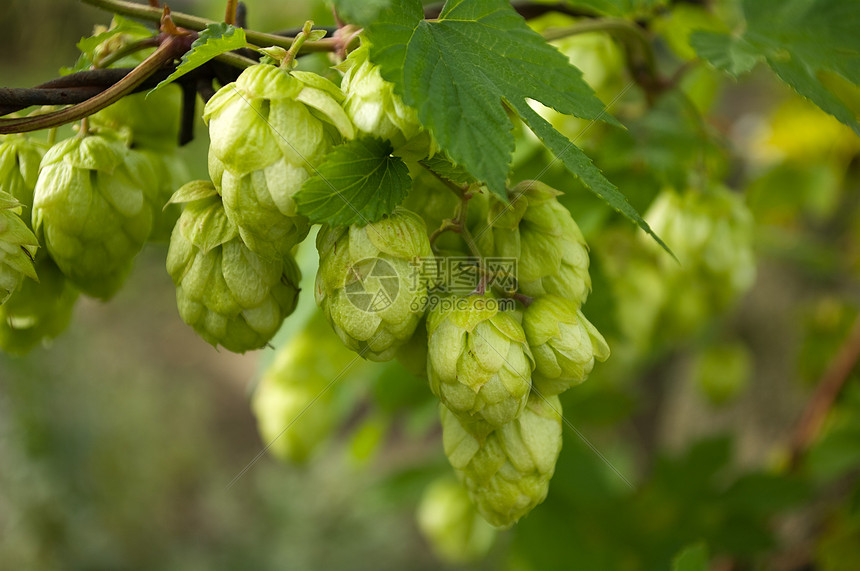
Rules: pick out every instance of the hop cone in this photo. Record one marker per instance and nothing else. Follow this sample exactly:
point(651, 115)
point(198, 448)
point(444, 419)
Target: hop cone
point(19, 169)
point(228, 294)
point(564, 344)
point(507, 473)
point(261, 203)
point(294, 392)
point(711, 233)
point(269, 130)
point(448, 520)
point(366, 283)
point(376, 110)
point(541, 235)
point(479, 364)
point(37, 311)
point(18, 245)
point(91, 209)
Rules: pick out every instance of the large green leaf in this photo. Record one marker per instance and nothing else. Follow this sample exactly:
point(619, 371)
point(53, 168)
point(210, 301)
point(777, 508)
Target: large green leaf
point(359, 182)
point(463, 71)
point(799, 40)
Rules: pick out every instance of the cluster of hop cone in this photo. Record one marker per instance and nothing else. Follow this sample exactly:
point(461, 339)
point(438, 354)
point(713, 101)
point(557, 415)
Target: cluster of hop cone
point(497, 368)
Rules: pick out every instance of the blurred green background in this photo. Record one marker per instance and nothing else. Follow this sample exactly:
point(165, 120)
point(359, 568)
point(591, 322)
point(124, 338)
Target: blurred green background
point(119, 443)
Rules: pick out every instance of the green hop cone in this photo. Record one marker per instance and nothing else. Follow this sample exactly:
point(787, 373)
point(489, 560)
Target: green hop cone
point(376, 110)
point(564, 344)
point(18, 246)
point(711, 233)
point(90, 206)
point(20, 157)
point(451, 524)
point(269, 113)
point(269, 130)
point(228, 294)
point(262, 205)
point(479, 363)
point(537, 231)
point(507, 473)
point(365, 282)
point(37, 311)
point(294, 404)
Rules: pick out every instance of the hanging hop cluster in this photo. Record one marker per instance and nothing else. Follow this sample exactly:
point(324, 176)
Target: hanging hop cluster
point(711, 233)
point(227, 293)
point(269, 130)
point(35, 311)
point(497, 368)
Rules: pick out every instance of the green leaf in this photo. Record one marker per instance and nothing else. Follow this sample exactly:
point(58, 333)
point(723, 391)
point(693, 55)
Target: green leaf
point(579, 164)
point(799, 40)
point(120, 25)
point(692, 558)
point(88, 45)
point(442, 166)
point(361, 12)
point(727, 53)
point(463, 70)
point(215, 40)
point(460, 70)
point(359, 182)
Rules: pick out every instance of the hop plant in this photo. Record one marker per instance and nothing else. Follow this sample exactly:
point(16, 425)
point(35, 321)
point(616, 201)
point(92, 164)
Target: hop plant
point(18, 245)
point(269, 130)
point(90, 207)
point(376, 110)
point(479, 363)
point(19, 168)
point(507, 473)
point(37, 311)
point(451, 524)
point(228, 294)
point(536, 230)
point(294, 392)
point(365, 282)
point(564, 344)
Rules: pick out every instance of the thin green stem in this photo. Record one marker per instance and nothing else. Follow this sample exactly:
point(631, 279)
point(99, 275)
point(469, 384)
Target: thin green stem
point(165, 53)
point(196, 23)
point(447, 226)
point(470, 241)
point(126, 50)
point(236, 60)
point(300, 40)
